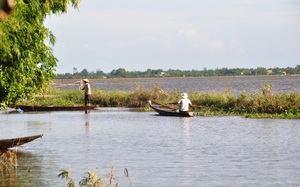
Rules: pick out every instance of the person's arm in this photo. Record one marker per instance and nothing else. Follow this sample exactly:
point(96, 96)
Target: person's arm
point(89, 89)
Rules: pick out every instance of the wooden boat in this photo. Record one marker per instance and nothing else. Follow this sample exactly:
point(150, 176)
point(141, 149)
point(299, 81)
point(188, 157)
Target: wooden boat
point(13, 142)
point(168, 111)
point(8, 110)
point(27, 108)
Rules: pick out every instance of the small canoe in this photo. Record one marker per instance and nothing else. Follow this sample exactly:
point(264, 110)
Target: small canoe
point(28, 108)
point(168, 111)
point(14, 142)
point(8, 110)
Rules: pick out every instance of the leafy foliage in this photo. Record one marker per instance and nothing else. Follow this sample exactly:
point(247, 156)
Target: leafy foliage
point(27, 63)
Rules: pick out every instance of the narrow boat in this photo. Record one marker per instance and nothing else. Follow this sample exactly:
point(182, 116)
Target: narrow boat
point(168, 111)
point(14, 142)
point(28, 108)
point(8, 110)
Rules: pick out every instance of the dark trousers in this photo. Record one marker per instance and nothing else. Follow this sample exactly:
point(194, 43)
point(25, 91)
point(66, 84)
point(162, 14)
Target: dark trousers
point(86, 100)
point(183, 111)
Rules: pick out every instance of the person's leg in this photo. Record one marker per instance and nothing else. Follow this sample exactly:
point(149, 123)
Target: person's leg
point(183, 111)
point(85, 100)
point(88, 99)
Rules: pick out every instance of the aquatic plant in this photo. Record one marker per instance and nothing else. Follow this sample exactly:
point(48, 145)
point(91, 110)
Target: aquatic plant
point(93, 180)
point(66, 174)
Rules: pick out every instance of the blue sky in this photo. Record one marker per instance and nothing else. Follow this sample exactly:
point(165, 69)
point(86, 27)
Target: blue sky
point(177, 34)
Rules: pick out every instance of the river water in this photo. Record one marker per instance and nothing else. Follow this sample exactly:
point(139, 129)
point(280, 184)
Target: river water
point(156, 150)
point(237, 85)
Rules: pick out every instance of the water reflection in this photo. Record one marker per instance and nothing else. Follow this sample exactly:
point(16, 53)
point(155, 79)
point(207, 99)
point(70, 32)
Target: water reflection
point(87, 122)
point(26, 172)
point(8, 167)
point(88, 133)
point(187, 151)
point(9, 178)
point(186, 131)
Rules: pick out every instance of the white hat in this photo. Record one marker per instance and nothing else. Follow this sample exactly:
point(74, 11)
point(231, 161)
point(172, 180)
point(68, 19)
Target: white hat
point(184, 95)
point(86, 80)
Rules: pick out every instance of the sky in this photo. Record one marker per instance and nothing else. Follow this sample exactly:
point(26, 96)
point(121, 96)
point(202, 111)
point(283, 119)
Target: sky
point(177, 34)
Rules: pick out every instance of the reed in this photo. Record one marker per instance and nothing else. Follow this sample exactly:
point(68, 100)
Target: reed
point(92, 179)
point(8, 161)
point(109, 98)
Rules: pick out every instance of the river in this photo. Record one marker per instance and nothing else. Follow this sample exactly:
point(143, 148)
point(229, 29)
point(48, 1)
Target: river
point(234, 84)
point(156, 150)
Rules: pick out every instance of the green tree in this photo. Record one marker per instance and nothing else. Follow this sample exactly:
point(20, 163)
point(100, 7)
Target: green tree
point(100, 73)
point(84, 73)
point(121, 72)
point(261, 71)
point(27, 63)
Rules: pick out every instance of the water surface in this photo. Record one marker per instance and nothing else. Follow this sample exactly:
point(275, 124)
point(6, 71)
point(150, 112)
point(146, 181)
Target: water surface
point(157, 150)
point(235, 84)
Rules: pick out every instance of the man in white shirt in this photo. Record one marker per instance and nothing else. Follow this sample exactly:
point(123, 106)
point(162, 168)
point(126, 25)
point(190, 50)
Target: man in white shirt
point(184, 103)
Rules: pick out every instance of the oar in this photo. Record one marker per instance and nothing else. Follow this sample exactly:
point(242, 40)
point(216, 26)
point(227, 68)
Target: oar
point(196, 106)
point(201, 106)
point(193, 106)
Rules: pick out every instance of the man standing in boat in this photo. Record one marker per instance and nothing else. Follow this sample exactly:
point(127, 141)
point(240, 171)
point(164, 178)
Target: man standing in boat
point(87, 91)
point(185, 102)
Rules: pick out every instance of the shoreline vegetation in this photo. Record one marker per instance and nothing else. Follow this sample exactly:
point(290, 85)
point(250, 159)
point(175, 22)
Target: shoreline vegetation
point(264, 104)
point(123, 73)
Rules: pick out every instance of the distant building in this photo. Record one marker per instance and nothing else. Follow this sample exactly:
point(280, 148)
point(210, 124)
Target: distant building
point(269, 71)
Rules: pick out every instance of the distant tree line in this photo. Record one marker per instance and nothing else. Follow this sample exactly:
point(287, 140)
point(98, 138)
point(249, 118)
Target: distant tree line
point(122, 73)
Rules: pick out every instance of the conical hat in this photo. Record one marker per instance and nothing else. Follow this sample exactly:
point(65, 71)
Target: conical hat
point(86, 80)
